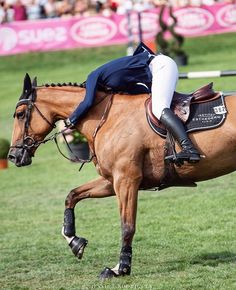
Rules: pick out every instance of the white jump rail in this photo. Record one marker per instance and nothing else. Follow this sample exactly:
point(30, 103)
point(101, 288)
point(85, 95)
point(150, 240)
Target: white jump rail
point(207, 74)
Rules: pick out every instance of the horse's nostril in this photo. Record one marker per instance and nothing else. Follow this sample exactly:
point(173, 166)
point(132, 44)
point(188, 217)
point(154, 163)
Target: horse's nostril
point(11, 157)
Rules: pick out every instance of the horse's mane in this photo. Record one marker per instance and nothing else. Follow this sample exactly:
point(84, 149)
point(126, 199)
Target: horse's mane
point(83, 85)
point(101, 87)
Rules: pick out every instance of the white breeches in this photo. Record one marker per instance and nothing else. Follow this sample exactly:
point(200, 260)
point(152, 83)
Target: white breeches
point(164, 79)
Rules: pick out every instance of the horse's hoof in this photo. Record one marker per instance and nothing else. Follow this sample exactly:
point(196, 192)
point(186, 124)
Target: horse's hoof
point(77, 246)
point(107, 273)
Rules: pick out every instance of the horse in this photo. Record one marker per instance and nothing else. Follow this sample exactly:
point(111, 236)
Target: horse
point(128, 155)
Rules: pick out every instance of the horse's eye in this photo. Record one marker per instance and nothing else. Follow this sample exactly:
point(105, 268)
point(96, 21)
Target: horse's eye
point(20, 115)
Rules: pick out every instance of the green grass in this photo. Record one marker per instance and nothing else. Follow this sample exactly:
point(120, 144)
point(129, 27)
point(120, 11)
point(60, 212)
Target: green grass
point(185, 239)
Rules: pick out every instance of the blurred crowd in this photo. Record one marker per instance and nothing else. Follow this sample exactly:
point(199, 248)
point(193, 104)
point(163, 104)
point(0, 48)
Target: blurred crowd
point(18, 10)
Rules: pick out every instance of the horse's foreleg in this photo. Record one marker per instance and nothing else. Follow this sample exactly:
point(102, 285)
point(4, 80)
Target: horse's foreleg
point(126, 189)
point(95, 189)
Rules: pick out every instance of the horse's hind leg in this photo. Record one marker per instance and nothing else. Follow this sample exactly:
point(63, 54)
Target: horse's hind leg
point(95, 189)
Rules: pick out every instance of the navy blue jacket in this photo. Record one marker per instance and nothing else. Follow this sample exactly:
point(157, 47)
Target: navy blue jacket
point(121, 74)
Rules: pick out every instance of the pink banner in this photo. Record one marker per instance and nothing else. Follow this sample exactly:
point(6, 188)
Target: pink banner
point(59, 34)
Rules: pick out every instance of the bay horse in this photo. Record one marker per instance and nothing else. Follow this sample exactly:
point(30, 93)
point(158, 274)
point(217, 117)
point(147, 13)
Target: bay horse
point(127, 153)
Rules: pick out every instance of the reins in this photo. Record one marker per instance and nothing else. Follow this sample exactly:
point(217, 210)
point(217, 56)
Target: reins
point(100, 124)
point(102, 121)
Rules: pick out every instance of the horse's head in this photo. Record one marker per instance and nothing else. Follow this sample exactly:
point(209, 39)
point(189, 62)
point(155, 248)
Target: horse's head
point(32, 122)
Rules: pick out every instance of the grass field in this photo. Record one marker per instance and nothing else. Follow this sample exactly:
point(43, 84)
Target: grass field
point(185, 239)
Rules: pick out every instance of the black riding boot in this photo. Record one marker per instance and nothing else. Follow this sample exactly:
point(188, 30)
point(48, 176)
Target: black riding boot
point(175, 126)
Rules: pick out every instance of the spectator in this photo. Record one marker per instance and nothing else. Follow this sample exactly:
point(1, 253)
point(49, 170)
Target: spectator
point(3, 15)
point(19, 11)
point(113, 5)
point(81, 8)
point(15, 9)
point(64, 8)
point(50, 9)
point(106, 9)
point(124, 7)
point(161, 2)
point(98, 6)
point(33, 10)
point(206, 2)
point(9, 10)
point(142, 5)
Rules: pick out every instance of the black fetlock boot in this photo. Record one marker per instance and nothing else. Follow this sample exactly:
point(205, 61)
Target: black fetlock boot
point(175, 126)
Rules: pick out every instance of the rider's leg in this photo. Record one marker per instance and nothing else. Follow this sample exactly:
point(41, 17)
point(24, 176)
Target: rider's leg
point(164, 79)
point(165, 76)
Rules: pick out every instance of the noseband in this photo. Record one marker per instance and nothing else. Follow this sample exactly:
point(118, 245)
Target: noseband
point(28, 142)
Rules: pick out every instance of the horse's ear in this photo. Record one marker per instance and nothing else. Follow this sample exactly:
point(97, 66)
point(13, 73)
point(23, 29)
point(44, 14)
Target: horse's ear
point(27, 87)
point(34, 82)
point(34, 85)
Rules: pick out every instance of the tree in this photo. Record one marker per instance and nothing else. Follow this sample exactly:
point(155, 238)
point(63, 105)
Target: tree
point(173, 46)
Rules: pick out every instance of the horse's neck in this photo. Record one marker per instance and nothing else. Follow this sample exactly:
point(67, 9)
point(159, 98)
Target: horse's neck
point(62, 101)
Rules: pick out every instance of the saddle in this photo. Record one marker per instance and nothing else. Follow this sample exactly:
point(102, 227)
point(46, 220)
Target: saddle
point(200, 110)
point(181, 105)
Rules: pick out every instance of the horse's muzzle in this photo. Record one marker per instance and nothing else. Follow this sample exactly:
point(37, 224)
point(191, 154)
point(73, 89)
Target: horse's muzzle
point(20, 156)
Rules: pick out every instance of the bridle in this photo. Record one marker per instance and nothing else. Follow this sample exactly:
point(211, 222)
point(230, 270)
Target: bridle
point(29, 142)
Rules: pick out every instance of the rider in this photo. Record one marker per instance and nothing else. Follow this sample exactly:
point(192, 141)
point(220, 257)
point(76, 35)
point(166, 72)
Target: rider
point(134, 75)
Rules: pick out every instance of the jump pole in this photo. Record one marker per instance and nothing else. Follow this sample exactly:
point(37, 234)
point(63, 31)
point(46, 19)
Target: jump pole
point(207, 74)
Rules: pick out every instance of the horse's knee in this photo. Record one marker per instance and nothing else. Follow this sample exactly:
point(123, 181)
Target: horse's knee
point(69, 202)
point(76, 195)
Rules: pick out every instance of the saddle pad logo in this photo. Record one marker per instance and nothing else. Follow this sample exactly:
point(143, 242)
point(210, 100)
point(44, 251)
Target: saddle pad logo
point(220, 110)
point(206, 115)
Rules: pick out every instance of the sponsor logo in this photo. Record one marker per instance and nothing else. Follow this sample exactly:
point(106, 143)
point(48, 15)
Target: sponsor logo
point(226, 16)
point(149, 25)
point(93, 30)
point(8, 39)
point(42, 35)
point(193, 20)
